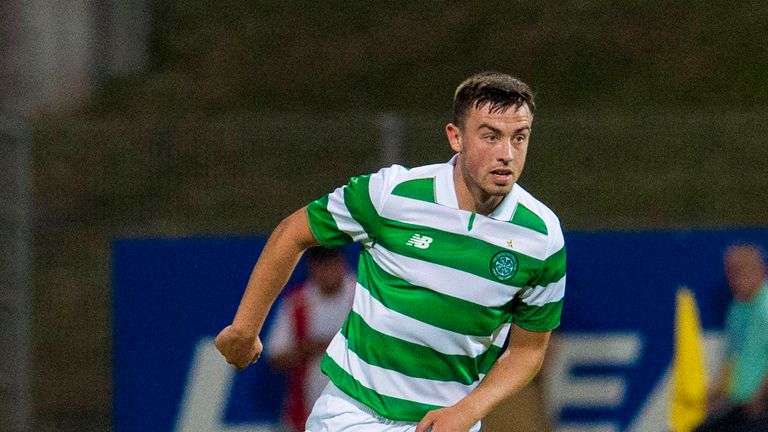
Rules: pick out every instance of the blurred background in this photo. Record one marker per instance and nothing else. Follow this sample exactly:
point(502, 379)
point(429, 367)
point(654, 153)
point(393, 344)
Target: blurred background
point(141, 118)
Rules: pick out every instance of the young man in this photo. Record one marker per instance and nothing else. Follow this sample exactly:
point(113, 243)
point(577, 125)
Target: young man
point(457, 259)
point(308, 318)
point(740, 401)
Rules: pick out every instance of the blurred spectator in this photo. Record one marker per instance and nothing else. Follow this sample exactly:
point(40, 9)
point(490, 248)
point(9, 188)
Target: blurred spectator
point(308, 318)
point(739, 400)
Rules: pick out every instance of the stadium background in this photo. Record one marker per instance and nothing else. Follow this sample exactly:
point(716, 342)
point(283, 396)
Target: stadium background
point(652, 114)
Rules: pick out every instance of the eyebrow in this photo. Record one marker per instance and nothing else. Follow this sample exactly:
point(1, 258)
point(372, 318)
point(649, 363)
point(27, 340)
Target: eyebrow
point(498, 131)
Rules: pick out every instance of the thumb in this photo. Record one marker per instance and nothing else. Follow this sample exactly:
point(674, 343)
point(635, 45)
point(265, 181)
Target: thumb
point(426, 422)
point(219, 341)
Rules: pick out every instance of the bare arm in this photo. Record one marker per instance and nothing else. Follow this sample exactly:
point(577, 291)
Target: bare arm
point(717, 396)
point(512, 371)
point(239, 342)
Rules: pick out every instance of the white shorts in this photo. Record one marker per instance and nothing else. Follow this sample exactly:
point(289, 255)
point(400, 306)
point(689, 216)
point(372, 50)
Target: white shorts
point(335, 411)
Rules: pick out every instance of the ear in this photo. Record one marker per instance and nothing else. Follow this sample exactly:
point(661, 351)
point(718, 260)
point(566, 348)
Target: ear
point(454, 137)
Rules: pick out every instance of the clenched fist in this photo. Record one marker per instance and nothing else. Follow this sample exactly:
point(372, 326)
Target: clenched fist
point(238, 348)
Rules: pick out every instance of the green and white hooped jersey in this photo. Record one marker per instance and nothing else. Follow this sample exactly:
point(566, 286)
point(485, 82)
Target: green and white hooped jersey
point(438, 287)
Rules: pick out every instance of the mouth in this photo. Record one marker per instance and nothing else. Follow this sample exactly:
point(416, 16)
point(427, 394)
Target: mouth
point(501, 176)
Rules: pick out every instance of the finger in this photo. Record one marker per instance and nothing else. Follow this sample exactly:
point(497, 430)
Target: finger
point(425, 423)
point(220, 342)
point(424, 427)
point(236, 361)
point(240, 365)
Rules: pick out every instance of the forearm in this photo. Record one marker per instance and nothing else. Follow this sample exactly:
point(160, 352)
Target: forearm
point(277, 261)
point(511, 373)
point(717, 393)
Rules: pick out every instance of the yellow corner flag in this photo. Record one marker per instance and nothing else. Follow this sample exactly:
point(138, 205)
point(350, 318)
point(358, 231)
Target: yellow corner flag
point(689, 377)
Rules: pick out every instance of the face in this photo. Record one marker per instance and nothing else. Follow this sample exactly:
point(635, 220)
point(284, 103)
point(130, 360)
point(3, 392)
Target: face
point(491, 150)
point(745, 272)
point(328, 274)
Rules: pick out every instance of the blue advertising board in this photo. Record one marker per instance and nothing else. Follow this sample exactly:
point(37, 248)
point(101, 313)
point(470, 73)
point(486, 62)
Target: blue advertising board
point(172, 296)
point(610, 364)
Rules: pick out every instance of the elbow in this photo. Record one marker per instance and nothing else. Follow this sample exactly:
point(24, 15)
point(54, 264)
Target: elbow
point(294, 231)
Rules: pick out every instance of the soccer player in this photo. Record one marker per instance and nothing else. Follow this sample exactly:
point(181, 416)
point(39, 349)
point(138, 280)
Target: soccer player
point(460, 279)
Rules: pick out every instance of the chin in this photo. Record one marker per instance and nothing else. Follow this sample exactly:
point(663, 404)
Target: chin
point(497, 190)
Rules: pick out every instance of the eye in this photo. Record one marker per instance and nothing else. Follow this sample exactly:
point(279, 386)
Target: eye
point(490, 137)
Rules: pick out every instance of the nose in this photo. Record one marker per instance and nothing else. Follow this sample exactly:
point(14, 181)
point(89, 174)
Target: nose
point(507, 151)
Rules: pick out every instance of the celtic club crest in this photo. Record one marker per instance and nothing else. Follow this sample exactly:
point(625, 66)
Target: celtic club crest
point(504, 265)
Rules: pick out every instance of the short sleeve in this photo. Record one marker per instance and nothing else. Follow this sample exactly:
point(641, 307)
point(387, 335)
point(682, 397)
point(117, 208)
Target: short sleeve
point(350, 213)
point(541, 305)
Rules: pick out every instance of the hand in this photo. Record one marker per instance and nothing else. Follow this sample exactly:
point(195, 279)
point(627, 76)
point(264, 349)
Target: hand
point(449, 419)
point(239, 349)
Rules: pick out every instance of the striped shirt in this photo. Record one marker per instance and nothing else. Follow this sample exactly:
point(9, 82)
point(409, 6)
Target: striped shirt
point(438, 287)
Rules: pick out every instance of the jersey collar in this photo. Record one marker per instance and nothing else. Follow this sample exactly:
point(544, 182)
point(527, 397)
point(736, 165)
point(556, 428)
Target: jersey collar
point(445, 193)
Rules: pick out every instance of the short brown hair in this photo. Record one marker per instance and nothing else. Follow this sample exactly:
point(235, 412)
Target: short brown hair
point(499, 90)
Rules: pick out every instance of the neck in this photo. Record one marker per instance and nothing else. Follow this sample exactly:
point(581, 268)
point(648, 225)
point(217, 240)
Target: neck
point(472, 198)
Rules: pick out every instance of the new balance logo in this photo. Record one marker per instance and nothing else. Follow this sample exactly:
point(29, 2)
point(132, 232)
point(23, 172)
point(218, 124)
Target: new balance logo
point(419, 241)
